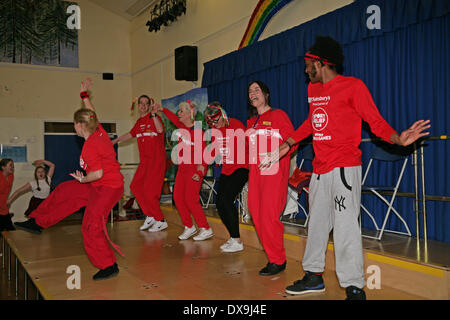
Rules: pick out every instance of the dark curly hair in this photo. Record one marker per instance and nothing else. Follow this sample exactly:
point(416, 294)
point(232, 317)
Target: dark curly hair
point(329, 49)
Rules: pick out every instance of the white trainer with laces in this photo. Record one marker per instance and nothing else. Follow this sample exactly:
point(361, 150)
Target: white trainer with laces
point(226, 244)
point(204, 234)
point(233, 246)
point(158, 226)
point(149, 221)
point(187, 233)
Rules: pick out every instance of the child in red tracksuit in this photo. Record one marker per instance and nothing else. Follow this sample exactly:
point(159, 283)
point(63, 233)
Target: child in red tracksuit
point(98, 191)
point(149, 177)
point(191, 170)
point(267, 131)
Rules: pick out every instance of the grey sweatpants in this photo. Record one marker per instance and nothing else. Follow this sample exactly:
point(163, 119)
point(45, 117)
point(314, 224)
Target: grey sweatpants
point(334, 203)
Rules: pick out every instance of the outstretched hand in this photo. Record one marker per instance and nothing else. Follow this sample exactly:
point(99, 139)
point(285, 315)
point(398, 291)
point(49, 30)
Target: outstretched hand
point(268, 158)
point(86, 84)
point(77, 175)
point(414, 132)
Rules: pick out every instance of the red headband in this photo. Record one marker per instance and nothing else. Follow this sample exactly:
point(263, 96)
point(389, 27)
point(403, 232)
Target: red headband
point(309, 56)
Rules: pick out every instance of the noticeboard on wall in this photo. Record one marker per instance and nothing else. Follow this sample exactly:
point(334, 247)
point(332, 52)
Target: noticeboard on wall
point(16, 153)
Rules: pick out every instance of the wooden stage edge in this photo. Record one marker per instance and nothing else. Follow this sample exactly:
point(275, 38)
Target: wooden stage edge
point(158, 266)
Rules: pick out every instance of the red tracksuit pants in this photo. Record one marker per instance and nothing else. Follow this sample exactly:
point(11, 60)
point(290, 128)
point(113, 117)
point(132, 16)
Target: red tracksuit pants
point(186, 195)
point(267, 196)
point(69, 197)
point(147, 186)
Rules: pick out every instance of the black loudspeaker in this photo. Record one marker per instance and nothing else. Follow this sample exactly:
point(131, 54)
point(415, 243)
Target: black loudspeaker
point(186, 63)
point(108, 76)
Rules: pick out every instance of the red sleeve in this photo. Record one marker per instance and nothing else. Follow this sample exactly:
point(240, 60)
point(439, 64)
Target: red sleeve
point(172, 117)
point(92, 158)
point(368, 111)
point(303, 131)
point(133, 130)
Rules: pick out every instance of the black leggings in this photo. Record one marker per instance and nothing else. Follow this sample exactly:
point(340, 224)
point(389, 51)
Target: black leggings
point(229, 187)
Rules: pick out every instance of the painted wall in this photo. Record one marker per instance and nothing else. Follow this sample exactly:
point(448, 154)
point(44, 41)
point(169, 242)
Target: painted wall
point(29, 94)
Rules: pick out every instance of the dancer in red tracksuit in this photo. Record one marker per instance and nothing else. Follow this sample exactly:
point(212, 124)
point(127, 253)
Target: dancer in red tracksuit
point(270, 127)
point(149, 177)
point(191, 170)
point(99, 190)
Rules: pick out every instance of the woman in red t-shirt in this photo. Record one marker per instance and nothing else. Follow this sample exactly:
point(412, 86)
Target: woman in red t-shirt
point(6, 181)
point(99, 190)
point(149, 177)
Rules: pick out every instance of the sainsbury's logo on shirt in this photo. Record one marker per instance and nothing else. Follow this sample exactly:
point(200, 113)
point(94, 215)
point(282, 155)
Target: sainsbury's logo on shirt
point(318, 99)
point(83, 164)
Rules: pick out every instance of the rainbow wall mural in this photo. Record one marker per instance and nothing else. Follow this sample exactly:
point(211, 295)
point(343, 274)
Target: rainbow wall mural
point(264, 11)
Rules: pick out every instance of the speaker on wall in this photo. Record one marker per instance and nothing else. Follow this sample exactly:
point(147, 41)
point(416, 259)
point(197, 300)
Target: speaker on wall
point(186, 63)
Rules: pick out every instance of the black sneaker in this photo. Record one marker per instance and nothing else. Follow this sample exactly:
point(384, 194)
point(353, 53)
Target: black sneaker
point(30, 226)
point(272, 268)
point(354, 293)
point(107, 273)
point(310, 283)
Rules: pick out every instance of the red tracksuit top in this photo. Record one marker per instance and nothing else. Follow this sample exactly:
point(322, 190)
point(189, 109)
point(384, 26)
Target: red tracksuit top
point(187, 141)
point(272, 125)
point(336, 111)
point(98, 153)
point(150, 142)
point(236, 157)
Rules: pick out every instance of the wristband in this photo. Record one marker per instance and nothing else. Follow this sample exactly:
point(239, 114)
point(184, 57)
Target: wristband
point(84, 95)
point(290, 146)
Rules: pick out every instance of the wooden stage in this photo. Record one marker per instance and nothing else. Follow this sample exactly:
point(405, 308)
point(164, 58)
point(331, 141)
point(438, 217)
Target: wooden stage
point(158, 266)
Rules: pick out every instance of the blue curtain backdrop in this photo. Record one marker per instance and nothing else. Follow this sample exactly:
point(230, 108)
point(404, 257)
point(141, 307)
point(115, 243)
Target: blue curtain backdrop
point(405, 65)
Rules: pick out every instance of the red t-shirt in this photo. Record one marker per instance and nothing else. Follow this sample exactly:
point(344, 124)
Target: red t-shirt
point(189, 140)
point(232, 146)
point(98, 153)
point(5, 188)
point(150, 142)
point(336, 111)
point(274, 126)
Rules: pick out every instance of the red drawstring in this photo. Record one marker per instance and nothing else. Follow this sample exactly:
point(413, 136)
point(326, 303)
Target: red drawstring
point(115, 246)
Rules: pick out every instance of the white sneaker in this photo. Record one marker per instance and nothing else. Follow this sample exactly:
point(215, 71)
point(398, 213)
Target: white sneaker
point(226, 244)
point(158, 226)
point(187, 233)
point(204, 234)
point(232, 246)
point(149, 221)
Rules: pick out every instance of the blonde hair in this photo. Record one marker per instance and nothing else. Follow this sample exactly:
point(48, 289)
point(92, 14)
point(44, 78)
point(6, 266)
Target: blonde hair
point(189, 106)
point(88, 117)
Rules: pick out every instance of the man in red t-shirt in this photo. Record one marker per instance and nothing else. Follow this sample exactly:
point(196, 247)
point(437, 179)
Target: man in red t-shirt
point(338, 105)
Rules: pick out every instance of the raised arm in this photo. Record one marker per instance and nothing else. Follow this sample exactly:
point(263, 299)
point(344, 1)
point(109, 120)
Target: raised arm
point(50, 164)
point(169, 114)
point(85, 85)
point(156, 120)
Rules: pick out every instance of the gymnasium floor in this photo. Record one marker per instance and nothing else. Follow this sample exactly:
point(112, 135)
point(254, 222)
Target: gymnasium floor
point(158, 266)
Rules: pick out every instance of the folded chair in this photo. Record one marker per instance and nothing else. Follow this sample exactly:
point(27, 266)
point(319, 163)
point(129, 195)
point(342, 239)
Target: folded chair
point(377, 156)
point(299, 181)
